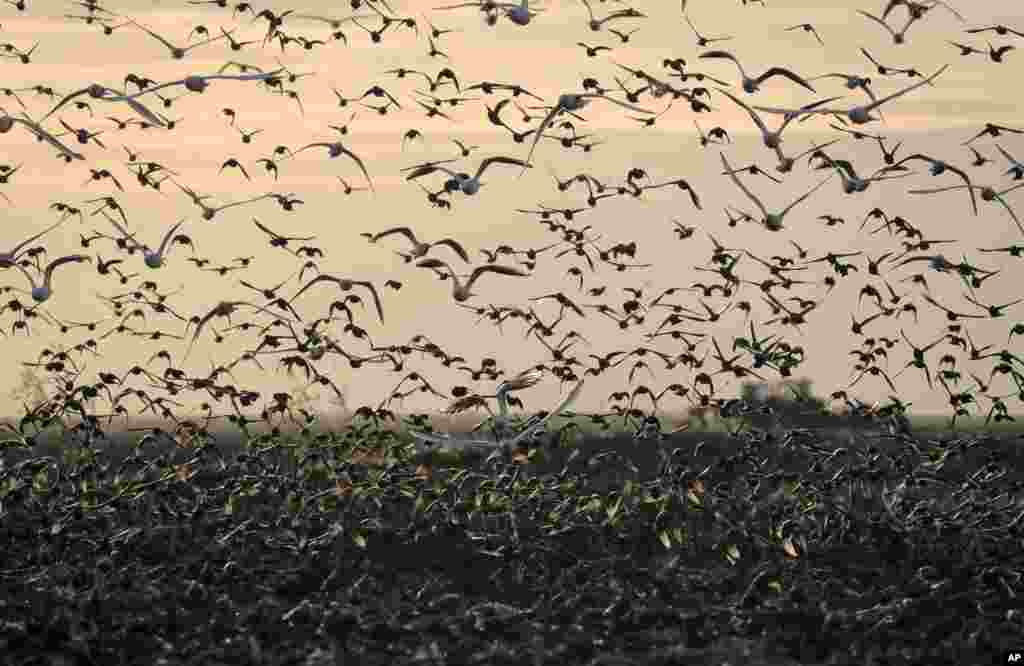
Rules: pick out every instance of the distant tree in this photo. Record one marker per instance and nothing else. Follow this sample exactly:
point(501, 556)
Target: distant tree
point(30, 390)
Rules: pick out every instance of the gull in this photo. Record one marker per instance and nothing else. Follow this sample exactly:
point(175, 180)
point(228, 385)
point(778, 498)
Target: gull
point(898, 37)
point(853, 82)
point(595, 24)
point(568, 102)
point(196, 83)
point(10, 259)
point(335, 149)
point(751, 85)
point(772, 140)
point(177, 52)
point(852, 183)
point(1016, 168)
point(939, 167)
point(42, 293)
point(463, 181)
point(461, 292)
point(860, 115)
point(209, 212)
point(345, 284)
point(703, 41)
point(8, 122)
point(771, 221)
point(152, 259)
point(986, 192)
point(420, 249)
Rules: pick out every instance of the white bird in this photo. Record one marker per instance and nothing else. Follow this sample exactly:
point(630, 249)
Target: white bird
point(10, 259)
point(42, 292)
point(986, 192)
point(771, 221)
point(752, 84)
point(461, 292)
point(197, 83)
point(859, 115)
point(463, 181)
point(100, 92)
point(8, 122)
point(574, 102)
point(177, 52)
point(152, 259)
point(772, 140)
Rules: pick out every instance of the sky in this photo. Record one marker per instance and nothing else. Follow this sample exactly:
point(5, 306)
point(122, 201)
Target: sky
point(542, 57)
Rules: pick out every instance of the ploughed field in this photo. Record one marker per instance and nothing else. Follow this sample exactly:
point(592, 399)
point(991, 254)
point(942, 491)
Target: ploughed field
point(809, 545)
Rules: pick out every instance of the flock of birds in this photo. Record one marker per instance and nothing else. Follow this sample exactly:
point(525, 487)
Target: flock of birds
point(78, 125)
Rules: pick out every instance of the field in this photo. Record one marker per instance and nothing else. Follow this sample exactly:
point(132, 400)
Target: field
point(561, 355)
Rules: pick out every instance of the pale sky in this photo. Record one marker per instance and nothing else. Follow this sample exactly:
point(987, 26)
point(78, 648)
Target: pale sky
point(544, 58)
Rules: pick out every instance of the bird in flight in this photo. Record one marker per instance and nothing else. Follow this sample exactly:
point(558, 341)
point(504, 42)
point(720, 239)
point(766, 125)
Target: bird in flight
point(574, 102)
point(859, 115)
point(420, 249)
point(771, 221)
point(462, 292)
point(752, 84)
point(463, 181)
point(10, 259)
point(177, 52)
point(345, 284)
point(336, 149)
point(42, 292)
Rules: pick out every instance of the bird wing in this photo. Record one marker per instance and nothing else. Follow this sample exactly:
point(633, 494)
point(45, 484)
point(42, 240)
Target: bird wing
point(569, 400)
point(782, 71)
point(809, 193)
point(898, 93)
point(362, 167)
point(739, 184)
point(500, 160)
point(726, 55)
point(168, 236)
point(757, 119)
point(878, 21)
point(454, 245)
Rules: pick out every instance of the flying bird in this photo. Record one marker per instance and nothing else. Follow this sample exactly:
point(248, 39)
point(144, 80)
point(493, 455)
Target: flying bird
point(462, 292)
point(752, 84)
